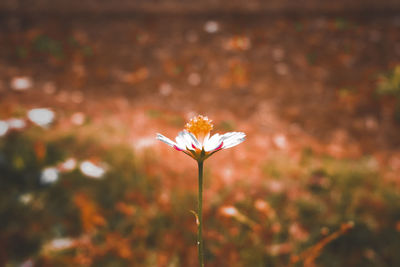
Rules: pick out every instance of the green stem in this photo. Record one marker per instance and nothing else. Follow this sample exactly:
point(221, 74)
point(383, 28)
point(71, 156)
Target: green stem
point(200, 215)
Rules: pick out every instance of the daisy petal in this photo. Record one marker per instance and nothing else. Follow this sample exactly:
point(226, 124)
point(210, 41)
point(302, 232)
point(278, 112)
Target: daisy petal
point(191, 139)
point(205, 140)
point(165, 140)
point(232, 139)
point(186, 140)
point(213, 143)
point(181, 142)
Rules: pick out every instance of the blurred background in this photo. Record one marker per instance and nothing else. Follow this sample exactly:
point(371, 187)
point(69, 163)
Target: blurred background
point(86, 85)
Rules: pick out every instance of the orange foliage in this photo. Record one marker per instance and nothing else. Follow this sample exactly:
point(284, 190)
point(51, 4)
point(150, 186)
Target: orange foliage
point(90, 217)
point(119, 244)
point(40, 150)
point(311, 254)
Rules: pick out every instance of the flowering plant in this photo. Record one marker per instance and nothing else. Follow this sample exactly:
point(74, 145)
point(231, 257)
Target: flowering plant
point(195, 141)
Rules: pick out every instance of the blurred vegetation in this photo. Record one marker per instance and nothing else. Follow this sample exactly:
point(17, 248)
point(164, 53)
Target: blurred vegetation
point(45, 46)
point(389, 86)
point(124, 219)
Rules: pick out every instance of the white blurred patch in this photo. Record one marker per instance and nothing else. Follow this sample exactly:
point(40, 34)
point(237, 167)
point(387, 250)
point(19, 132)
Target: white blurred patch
point(92, 170)
point(67, 165)
point(228, 211)
point(16, 124)
point(59, 244)
point(3, 128)
point(21, 83)
point(41, 116)
point(211, 26)
point(26, 198)
point(280, 141)
point(144, 142)
point(49, 175)
point(78, 118)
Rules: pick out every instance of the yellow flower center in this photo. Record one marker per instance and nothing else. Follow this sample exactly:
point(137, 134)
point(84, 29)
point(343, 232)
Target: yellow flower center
point(200, 126)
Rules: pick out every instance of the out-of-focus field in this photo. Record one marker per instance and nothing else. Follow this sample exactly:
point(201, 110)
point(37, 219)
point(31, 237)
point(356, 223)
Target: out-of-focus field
point(316, 183)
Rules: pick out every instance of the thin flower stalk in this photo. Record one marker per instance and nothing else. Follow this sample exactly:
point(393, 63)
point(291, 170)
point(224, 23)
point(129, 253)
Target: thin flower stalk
point(196, 142)
point(200, 245)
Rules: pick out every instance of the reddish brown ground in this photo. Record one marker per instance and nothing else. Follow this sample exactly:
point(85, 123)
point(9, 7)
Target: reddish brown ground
point(289, 83)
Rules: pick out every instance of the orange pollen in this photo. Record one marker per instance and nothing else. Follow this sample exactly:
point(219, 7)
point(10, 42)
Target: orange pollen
point(200, 126)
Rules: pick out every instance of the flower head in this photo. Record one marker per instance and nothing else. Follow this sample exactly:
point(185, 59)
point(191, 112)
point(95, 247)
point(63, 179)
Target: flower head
point(199, 126)
point(196, 142)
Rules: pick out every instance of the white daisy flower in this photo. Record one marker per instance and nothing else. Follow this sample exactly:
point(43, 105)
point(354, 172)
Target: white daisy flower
point(196, 142)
